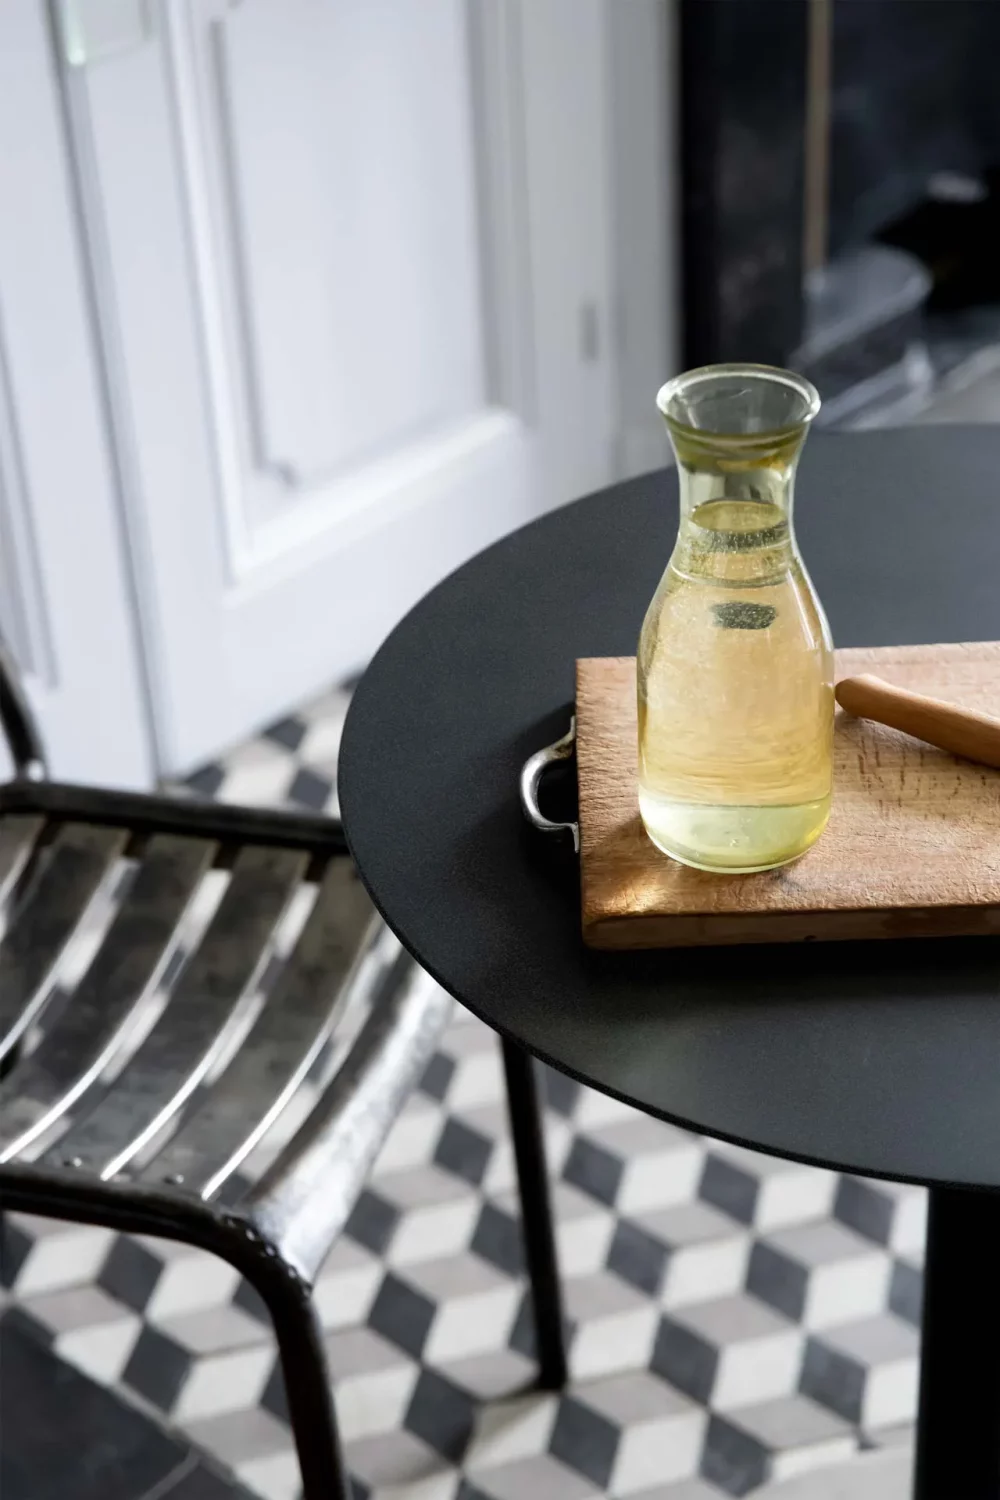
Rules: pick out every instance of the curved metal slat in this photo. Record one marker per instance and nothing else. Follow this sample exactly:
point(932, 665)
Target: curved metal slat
point(57, 896)
point(334, 956)
point(304, 1198)
point(196, 1023)
point(17, 839)
point(73, 1053)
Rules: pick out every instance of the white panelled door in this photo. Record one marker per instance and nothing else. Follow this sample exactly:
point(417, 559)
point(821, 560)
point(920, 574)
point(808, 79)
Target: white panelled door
point(65, 602)
point(310, 225)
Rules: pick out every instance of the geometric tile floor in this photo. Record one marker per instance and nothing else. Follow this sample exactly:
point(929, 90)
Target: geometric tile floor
point(735, 1318)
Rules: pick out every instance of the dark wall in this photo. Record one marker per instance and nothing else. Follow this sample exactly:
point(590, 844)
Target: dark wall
point(743, 82)
point(916, 90)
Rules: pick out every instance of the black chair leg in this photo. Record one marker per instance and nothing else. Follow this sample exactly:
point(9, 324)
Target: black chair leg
point(307, 1391)
point(536, 1213)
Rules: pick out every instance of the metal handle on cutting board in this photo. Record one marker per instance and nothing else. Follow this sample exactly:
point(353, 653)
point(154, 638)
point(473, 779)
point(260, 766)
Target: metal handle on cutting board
point(532, 772)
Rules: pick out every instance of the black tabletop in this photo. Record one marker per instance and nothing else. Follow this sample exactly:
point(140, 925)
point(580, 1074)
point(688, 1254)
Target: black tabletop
point(882, 1058)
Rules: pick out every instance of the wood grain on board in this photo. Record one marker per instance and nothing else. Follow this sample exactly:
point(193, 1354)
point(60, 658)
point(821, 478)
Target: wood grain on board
point(912, 848)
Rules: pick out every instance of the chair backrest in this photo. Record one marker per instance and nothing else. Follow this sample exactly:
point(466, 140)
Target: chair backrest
point(17, 722)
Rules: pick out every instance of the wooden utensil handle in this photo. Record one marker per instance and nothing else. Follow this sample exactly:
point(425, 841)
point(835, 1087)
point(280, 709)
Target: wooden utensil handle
point(975, 736)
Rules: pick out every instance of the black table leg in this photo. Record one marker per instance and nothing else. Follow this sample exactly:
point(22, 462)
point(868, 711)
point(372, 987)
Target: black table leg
point(536, 1212)
point(958, 1432)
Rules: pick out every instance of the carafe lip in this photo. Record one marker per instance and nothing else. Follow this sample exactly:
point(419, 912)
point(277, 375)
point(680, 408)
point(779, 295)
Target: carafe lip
point(772, 374)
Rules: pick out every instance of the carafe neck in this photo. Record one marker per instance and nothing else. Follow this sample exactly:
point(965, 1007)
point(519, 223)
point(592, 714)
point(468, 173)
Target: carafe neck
point(762, 490)
point(735, 523)
point(737, 432)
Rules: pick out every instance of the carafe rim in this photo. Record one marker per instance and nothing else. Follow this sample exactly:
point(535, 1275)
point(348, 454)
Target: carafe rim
point(772, 374)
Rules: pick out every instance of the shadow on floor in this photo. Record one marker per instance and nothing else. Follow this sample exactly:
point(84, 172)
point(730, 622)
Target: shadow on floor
point(63, 1437)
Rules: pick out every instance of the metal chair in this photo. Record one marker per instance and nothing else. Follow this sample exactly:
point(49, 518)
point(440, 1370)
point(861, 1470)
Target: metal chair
point(146, 1136)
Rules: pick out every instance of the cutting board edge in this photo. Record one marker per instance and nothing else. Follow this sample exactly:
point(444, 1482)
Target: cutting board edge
point(854, 924)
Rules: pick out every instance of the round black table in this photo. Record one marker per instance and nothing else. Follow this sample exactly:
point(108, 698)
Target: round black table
point(876, 1058)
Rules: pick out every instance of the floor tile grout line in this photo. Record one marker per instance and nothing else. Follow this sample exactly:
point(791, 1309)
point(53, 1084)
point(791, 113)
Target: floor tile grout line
point(161, 1489)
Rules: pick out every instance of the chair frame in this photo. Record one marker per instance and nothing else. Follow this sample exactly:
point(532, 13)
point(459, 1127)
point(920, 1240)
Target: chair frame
point(278, 1234)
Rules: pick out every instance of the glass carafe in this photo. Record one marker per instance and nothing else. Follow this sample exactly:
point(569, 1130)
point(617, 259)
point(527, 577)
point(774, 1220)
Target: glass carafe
point(735, 664)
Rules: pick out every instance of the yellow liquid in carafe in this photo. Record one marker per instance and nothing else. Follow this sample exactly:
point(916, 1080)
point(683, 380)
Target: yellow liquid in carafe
point(735, 684)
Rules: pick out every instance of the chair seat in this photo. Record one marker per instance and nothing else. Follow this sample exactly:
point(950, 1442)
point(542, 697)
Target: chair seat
point(162, 1066)
point(172, 975)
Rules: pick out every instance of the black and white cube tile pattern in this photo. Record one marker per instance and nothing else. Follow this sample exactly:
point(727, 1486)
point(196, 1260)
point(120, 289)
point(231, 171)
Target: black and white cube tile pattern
point(735, 1318)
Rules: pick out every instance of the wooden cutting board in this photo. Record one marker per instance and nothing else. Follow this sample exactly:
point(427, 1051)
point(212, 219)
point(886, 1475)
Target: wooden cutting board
point(912, 848)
